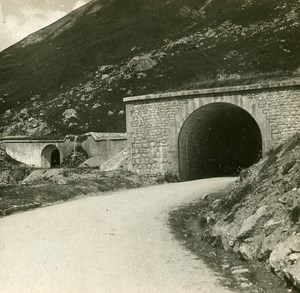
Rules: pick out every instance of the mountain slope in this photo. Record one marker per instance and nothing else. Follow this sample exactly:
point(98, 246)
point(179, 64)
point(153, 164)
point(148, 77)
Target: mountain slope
point(88, 61)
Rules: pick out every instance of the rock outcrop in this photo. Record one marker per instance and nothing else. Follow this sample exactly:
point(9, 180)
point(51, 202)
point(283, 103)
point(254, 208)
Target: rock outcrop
point(141, 63)
point(260, 217)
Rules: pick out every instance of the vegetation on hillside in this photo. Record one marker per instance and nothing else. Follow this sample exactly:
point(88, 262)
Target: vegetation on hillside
point(45, 187)
point(72, 75)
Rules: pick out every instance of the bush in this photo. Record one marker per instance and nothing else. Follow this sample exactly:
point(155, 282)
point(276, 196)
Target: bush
point(75, 158)
point(271, 160)
point(244, 174)
point(65, 172)
point(294, 143)
point(274, 151)
point(298, 181)
point(235, 197)
point(167, 177)
point(288, 166)
point(295, 214)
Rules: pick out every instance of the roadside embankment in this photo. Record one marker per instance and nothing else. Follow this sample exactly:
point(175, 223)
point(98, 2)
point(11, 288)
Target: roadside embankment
point(44, 187)
point(258, 218)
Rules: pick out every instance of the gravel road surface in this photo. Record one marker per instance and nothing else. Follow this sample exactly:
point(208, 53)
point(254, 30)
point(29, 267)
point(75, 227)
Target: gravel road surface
point(115, 242)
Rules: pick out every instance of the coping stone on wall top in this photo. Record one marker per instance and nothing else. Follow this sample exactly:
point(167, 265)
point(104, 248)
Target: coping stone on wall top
point(269, 85)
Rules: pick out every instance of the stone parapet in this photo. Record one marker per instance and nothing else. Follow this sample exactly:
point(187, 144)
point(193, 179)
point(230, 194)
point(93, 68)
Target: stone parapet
point(218, 90)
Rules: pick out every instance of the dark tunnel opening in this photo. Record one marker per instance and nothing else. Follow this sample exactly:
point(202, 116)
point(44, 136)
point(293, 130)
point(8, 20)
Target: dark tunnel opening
point(50, 157)
point(218, 140)
point(55, 158)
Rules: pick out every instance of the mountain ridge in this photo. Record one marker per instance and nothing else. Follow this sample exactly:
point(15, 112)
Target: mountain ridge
point(92, 58)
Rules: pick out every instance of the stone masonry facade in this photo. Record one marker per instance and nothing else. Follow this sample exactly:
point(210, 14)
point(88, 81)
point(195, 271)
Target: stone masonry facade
point(154, 121)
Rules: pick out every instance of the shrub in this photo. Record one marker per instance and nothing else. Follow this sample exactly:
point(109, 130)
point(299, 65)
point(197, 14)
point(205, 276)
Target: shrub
point(75, 158)
point(167, 177)
point(287, 185)
point(295, 214)
point(244, 174)
point(235, 197)
point(288, 166)
point(298, 181)
point(294, 143)
point(274, 151)
point(65, 172)
point(271, 160)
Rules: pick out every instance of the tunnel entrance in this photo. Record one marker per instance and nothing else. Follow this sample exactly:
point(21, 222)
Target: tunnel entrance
point(50, 157)
point(55, 158)
point(218, 139)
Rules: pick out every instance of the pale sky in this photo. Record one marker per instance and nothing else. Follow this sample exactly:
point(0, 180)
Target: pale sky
point(19, 18)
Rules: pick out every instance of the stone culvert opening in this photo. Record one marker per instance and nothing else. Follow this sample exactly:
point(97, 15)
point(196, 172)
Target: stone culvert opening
point(218, 139)
point(50, 157)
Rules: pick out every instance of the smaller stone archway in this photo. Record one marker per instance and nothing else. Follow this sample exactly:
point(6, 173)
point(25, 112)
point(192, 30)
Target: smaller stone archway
point(50, 157)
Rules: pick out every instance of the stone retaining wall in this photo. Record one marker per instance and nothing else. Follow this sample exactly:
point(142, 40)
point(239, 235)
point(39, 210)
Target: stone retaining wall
point(154, 121)
point(100, 145)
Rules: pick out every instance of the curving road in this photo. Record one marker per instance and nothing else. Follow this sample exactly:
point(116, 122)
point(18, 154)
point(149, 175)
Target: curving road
point(118, 243)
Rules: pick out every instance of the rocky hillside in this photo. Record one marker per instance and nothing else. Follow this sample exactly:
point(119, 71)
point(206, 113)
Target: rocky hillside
point(260, 217)
point(72, 75)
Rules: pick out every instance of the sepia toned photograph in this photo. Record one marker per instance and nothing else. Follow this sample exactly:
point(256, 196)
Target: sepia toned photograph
point(149, 146)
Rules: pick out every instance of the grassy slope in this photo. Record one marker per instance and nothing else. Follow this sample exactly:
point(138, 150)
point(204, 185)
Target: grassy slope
point(119, 31)
point(66, 185)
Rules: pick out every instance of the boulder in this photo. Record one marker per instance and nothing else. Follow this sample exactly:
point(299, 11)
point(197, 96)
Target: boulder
point(105, 68)
point(141, 63)
point(24, 113)
point(271, 226)
point(104, 76)
point(295, 244)
point(141, 75)
point(225, 233)
point(96, 106)
point(7, 114)
point(285, 259)
point(92, 162)
point(240, 271)
point(293, 274)
point(250, 223)
point(269, 243)
point(70, 115)
point(248, 250)
point(42, 175)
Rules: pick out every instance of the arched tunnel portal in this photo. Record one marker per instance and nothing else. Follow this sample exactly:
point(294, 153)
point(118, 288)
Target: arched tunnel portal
point(50, 157)
point(218, 139)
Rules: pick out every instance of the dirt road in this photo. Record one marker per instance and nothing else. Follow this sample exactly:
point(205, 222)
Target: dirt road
point(118, 243)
